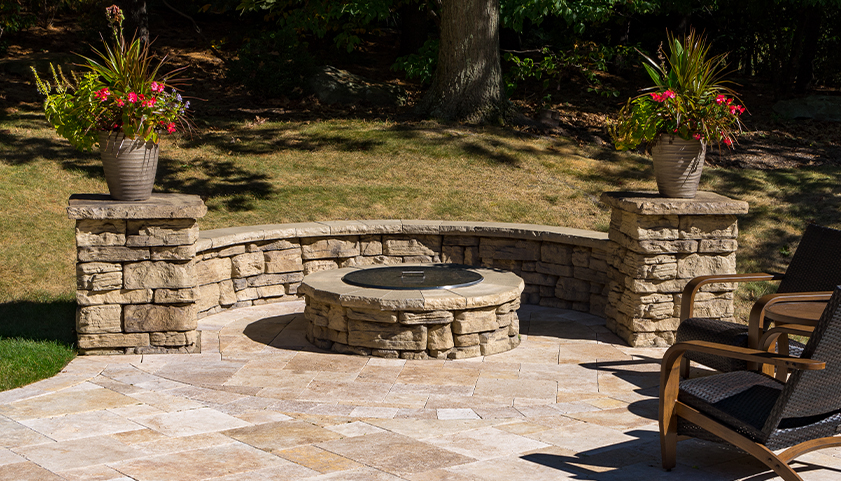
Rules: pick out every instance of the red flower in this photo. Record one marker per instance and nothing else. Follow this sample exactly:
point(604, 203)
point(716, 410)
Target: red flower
point(171, 127)
point(727, 141)
point(669, 94)
point(720, 99)
point(149, 103)
point(132, 97)
point(697, 136)
point(120, 102)
point(102, 94)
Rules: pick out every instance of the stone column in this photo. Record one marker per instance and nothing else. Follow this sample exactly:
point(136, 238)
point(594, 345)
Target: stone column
point(135, 277)
point(657, 245)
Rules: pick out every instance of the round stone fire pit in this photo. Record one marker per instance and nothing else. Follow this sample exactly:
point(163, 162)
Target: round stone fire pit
point(413, 311)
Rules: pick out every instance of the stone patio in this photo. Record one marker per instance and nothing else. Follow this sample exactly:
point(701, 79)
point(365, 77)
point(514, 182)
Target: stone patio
point(573, 401)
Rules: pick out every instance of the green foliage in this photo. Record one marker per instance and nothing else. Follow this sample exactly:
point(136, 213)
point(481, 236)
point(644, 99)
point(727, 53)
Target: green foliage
point(585, 59)
point(13, 18)
point(577, 14)
point(689, 98)
point(273, 64)
point(420, 65)
point(345, 19)
point(121, 91)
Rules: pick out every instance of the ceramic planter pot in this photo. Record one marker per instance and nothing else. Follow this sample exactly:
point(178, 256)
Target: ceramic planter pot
point(130, 166)
point(677, 165)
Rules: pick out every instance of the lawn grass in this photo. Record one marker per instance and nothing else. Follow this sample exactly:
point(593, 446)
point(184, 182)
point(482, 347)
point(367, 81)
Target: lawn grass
point(255, 172)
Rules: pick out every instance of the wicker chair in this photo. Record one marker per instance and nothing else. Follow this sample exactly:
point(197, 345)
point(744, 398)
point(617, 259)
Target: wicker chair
point(754, 411)
point(815, 266)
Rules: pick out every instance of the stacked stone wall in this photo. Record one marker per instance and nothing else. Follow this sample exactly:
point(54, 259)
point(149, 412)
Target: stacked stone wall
point(565, 268)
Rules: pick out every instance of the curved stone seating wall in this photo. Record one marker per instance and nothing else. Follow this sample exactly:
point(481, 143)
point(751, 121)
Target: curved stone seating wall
point(145, 273)
point(244, 266)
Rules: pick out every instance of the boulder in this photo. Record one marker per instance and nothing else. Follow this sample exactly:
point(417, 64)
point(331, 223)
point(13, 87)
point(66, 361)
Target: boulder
point(332, 86)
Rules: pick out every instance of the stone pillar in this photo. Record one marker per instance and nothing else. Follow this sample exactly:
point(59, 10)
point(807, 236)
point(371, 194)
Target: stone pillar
point(657, 245)
point(135, 277)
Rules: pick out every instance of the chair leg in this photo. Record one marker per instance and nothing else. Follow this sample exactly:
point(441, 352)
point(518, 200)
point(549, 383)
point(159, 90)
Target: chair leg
point(668, 450)
point(684, 368)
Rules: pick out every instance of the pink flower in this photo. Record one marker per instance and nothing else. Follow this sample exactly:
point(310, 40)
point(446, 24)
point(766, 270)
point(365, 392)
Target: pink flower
point(120, 102)
point(697, 137)
point(156, 87)
point(720, 99)
point(170, 128)
point(102, 94)
point(736, 109)
point(132, 97)
point(657, 97)
point(669, 94)
point(149, 102)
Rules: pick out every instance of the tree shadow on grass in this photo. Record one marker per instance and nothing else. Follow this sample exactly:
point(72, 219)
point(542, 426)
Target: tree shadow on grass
point(39, 321)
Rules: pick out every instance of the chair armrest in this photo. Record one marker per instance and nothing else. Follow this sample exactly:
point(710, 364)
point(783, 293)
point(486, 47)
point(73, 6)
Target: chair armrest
point(770, 337)
point(688, 298)
point(671, 360)
point(756, 322)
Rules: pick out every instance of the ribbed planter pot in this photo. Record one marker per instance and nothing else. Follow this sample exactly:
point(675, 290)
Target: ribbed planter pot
point(677, 166)
point(130, 166)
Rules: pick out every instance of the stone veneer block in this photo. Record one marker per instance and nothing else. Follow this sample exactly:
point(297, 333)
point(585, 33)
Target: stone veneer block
point(159, 274)
point(159, 206)
point(163, 232)
point(99, 319)
point(313, 249)
point(100, 341)
point(101, 232)
point(651, 203)
point(280, 261)
point(157, 318)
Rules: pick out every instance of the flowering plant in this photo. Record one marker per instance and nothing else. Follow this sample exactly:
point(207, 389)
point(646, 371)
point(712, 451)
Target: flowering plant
point(121, 91)
point(689, 99)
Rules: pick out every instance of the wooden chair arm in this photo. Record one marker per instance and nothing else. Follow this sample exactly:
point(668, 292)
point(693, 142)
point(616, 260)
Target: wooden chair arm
point(671, 360)
point(771, 335)
point(756, 322)
point(691, 289)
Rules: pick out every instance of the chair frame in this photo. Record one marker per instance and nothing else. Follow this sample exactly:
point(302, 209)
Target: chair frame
point(757, 321)
point(671, 408)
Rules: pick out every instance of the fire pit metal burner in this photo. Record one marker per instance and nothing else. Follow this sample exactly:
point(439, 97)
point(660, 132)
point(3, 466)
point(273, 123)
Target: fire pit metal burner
point(437, 276)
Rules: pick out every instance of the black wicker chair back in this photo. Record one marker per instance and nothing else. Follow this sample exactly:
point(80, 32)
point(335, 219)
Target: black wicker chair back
point(816, 264)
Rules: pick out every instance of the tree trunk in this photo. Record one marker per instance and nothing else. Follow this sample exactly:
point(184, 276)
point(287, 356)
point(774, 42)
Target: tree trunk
point(467, 85)
point(138, 20)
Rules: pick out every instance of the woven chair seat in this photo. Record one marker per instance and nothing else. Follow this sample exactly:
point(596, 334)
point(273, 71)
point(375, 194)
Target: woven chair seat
point(720, 332)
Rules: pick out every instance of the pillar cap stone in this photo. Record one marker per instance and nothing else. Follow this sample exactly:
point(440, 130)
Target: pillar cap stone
point(651, 203)
point(159, 206)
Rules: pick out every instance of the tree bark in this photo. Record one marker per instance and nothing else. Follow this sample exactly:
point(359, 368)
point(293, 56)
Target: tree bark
point(138, 19)
point(467, 84)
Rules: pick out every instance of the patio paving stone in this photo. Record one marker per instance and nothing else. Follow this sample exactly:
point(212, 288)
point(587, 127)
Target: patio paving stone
point(81, 425)
point(281, 435)
point(318, 459)
point(27, 472)
point(204, 463)
point(78, 453)
point(93, 473)
point(394, 453)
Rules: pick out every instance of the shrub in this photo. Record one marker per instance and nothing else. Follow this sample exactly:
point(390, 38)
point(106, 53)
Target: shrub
point(272, 65)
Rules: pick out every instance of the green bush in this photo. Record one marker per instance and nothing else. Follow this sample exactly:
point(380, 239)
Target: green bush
point(272, 65)
point(420, 65)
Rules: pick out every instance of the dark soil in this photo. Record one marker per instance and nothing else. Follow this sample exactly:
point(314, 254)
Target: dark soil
point(769, 142)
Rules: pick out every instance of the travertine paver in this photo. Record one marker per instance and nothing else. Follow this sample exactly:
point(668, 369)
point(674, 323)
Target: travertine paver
point(570, 403)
